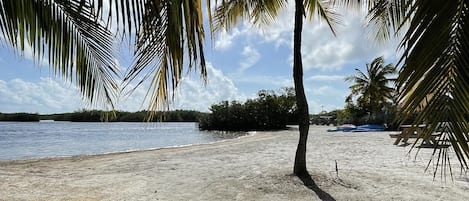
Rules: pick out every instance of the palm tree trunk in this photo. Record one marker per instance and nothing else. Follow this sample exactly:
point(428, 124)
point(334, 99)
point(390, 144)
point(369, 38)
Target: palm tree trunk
point(302, 104)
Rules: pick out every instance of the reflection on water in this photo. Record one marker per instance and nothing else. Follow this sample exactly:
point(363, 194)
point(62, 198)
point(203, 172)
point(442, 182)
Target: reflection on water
point(25, 140)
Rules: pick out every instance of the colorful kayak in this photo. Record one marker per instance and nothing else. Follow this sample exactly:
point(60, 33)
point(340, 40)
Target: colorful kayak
point(344, 128)
point(362, 128)
point(369, 128)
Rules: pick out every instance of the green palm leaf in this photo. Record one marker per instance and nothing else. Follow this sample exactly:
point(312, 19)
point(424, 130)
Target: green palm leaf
point(434, 75)
point(68, 34)
point(264, 12)
point(436, 63)
point(169, 43)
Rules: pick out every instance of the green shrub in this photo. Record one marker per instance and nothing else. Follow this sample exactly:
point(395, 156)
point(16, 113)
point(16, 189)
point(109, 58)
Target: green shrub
point(269, 111)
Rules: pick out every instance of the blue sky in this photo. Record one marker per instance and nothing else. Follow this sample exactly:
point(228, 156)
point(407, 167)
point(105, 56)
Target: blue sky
point(240, 63)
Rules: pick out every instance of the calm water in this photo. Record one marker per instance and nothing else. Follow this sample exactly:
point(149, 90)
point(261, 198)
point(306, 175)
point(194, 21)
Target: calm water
point(26, 140)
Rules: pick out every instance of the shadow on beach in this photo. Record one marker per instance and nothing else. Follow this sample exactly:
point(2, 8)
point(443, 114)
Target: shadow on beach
point(309, 182)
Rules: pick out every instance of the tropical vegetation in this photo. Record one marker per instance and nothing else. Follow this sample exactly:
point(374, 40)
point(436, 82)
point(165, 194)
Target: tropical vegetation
point(24, 117)
point(72, 36)
point(433, 78)
point(371, 93)
point(270, 110)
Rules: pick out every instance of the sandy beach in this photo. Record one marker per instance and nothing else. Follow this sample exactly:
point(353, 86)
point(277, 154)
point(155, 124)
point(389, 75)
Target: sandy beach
point(255, 167)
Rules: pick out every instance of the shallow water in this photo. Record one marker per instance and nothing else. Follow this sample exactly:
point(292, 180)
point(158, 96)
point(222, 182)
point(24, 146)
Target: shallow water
point(27, 140)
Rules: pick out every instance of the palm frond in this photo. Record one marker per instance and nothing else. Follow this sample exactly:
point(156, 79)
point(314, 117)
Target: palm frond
point(435, 70)
point(66, 32)
point(324, 10)
point(168, 30)
point(385, 18)
point(261, 12)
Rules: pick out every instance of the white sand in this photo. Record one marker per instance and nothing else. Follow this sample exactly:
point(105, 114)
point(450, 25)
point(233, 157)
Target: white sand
point(250, 168)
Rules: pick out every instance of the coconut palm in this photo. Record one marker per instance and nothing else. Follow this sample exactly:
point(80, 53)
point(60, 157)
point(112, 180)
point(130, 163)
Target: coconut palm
point(373, 86)
point(434, 75)
point(263, 12)
point(67, 35)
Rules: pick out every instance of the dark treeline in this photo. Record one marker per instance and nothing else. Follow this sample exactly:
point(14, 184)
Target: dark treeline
point(270, 110)
point(103, 116)
point(19, 117)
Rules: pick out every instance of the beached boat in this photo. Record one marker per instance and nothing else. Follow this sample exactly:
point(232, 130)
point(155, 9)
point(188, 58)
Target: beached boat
point(344, 128)
point(362, 128)
point(46, 121)
point(369, 128)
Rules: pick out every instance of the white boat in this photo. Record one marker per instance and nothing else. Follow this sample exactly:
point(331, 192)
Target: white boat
point(46, 121)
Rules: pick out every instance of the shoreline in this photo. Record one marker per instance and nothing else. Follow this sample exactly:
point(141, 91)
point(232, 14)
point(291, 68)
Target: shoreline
point(89, 156)
point(254, 167)
point(55, 158)
point(24, 144)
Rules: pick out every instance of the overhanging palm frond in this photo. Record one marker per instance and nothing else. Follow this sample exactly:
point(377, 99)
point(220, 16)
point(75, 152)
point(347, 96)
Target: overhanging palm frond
point(324, 10)
point(67, 32)
point(261, 12)
point(167, 30)
point(386, 17)
point(436, 63)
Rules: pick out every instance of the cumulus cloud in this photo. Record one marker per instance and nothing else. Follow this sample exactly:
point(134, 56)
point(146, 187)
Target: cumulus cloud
point(276, 81)
point(45, 96)
point(326, 78)
point(320, 48)
point(55, 96)
point(225, 39)
point(195, 96)
point(251, 55)
point(325, 97)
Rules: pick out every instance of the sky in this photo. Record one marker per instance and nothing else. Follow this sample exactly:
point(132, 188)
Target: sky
point(240, 62)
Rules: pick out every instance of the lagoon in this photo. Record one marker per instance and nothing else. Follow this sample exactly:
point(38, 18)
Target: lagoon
point(32, 140)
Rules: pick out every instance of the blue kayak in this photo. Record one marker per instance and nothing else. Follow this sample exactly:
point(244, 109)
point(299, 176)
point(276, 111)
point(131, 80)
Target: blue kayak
point(344, 128)
point(369, 128)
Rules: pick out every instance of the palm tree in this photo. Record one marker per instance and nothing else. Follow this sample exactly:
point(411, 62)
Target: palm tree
point(70, 34)
point(372, 87)
point(434, 76)
point(67, 35)
point(263, 12)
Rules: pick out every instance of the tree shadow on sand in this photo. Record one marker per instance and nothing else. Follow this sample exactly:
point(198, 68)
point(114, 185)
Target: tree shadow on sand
point(309, 182)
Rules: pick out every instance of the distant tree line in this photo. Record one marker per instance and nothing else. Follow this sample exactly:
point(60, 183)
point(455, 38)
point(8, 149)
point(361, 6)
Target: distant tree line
point(19, 117)
point(270, 110)
point(103, 116)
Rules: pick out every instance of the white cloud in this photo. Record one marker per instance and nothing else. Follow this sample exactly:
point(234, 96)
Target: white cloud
point(225, 39)
point(192, 94)
point(53, 96)
point(327, 78)
point(276, 81)
point(322, 90)
point(320, 49)
point(195, 96)
point(251, 55)
point(279, 31)
point(327, 91)
point(325, 97)
point(45, 96)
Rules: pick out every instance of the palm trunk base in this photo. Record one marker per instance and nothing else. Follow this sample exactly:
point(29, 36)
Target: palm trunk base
point(299, 167)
